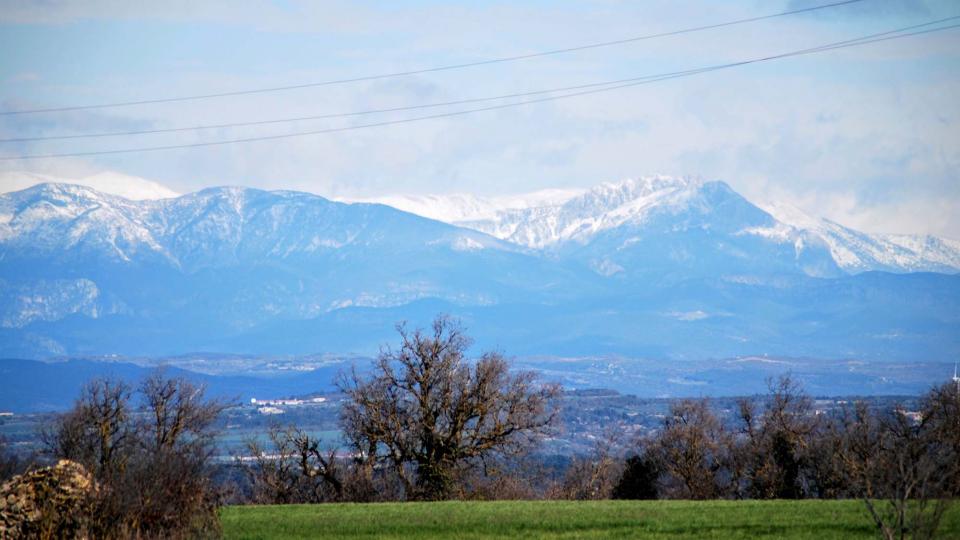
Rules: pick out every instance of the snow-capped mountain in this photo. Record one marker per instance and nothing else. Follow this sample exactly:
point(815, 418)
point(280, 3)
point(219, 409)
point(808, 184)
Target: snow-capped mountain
point(658, 267)
point(545, 222)
point(582, 216)
point(216, 226)
point(461, 207)
point(250, 254)
point(855, 251)
point(547, 219)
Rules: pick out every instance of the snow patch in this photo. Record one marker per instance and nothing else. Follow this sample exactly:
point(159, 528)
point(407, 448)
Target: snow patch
point(465, 243)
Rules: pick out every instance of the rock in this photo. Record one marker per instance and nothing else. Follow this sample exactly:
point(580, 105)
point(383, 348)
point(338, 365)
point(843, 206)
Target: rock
point(52, 502)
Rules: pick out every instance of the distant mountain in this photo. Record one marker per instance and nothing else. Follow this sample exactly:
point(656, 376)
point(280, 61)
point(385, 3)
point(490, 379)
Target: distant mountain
point(62, 381)
point(571, 217)
point(466, 207)
point(669, 229)
point(855, 251)
point(226, 259)
point(657, 267)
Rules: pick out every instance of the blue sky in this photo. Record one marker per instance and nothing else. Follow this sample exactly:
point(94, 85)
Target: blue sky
point(866, 136)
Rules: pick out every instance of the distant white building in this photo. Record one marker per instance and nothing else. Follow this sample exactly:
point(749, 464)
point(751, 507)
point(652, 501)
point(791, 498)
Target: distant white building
point(270, 410)
point(285, 402)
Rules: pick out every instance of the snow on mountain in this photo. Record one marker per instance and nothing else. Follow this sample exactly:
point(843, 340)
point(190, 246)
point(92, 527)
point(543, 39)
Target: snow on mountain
point(856, 251)
point(459, 207)
point(50, 219)
point(129, 187)
point(545, 220)
point(539, 220)
point(282, 253)
point(933, 249)
point(649, 267)
point(215, 225)
point(578, 218)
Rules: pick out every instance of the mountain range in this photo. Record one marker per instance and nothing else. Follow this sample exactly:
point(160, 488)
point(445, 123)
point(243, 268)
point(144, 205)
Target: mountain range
point(549, 218)
point(656, 267)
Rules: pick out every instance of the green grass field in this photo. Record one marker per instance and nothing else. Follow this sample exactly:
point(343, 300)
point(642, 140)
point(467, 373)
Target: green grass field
point(561, 519)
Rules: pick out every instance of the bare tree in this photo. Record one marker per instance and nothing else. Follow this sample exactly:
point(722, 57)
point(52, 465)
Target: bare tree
point(904, 467)
point(168, 485)
point(316, 463)
point(692, 450)
point(825, 471)
point(593, 476)
point(427, 412)
point(98, 432)
point(514, 478)
point(177, 412)
point(273, 474)
point(151, 462)
point(774, 441)
point(294, 468)
point(941, 412)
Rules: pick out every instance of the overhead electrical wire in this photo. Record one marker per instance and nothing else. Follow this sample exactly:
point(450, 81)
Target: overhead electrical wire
point(855, 42)
point(391, 109)
point(429, 70)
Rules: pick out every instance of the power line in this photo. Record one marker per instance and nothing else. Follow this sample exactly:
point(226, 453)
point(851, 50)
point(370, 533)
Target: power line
point(863, 40)
point(433, 69)
point(306, 118)
point(385, 110)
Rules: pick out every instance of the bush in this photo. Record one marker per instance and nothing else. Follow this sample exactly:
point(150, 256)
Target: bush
point(151, 462)
point(639, 479)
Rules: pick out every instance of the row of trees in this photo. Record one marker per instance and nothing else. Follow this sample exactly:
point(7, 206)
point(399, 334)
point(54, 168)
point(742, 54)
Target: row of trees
point(904, 465)
point(426, 424)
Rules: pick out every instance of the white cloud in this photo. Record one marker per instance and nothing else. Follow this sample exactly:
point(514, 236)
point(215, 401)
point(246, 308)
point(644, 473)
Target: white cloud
point(130, 187)
point(867, 136)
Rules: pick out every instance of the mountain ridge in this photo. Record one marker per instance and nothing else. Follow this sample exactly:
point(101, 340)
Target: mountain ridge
point(661, 267)
point(548, 222)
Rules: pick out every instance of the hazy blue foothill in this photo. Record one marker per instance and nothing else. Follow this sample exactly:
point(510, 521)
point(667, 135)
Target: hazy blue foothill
point(42, 386)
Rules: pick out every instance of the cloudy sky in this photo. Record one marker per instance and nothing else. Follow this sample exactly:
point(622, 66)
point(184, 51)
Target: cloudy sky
point(868, 136)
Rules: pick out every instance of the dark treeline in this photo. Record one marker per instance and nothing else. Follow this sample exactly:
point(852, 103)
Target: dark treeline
point(426, 424)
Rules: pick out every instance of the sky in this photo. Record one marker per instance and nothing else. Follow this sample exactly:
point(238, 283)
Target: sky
point(866, 136)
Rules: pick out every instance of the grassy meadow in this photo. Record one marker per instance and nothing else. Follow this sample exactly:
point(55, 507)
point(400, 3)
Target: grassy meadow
point(812, 519)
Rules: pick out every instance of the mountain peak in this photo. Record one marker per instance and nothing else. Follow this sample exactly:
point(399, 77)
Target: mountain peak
point(542, 222)
point(59, 189)
point(649, 184)
point(603, 207)
point(67, 198)
point(113, 183)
